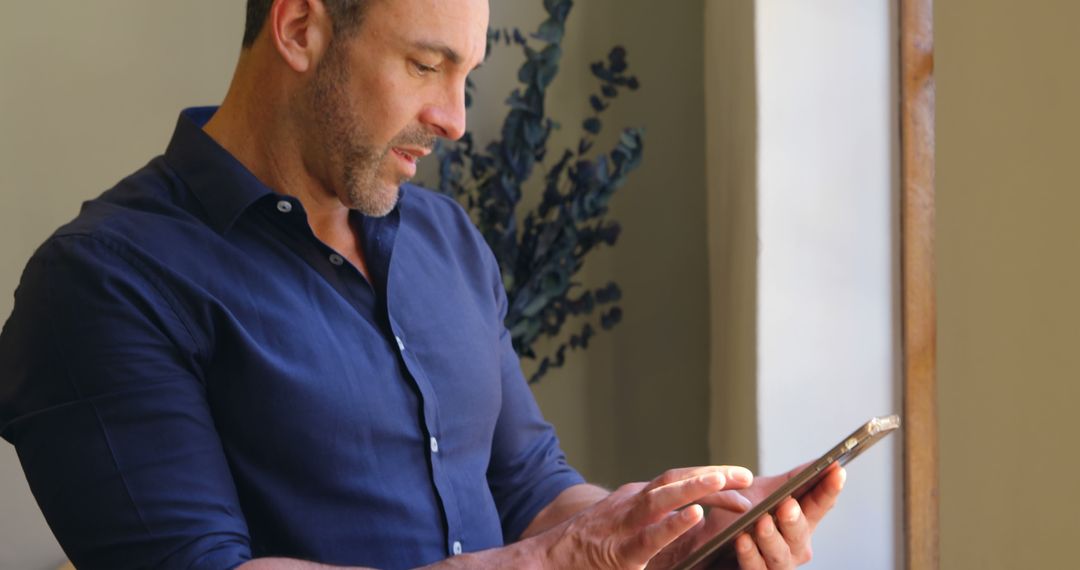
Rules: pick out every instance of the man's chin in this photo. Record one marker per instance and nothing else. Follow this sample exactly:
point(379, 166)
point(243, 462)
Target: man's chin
point(376, 204)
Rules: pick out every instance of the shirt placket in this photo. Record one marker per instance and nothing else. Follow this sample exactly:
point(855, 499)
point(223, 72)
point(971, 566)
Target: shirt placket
point(380, 236)
point(437, 452)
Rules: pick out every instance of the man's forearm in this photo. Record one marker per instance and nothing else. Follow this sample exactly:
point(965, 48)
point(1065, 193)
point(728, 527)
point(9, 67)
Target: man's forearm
point(567, 504)
point(289, 564)
point(523, 555)
point(529, 552)
point(588, 527)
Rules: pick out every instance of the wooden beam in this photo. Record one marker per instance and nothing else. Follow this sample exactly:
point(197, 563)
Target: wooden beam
point(919, 312)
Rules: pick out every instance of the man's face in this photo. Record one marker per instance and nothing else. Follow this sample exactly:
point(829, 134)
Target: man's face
point(380, 97)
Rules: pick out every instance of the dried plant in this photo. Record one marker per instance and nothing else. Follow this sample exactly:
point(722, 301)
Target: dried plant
point(540, 251)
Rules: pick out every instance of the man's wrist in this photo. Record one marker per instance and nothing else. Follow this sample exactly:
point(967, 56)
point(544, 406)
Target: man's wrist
point(565, 506)
point(536, 553)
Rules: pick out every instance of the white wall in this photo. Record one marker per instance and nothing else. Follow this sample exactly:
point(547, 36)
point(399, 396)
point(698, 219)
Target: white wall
point(827, 354)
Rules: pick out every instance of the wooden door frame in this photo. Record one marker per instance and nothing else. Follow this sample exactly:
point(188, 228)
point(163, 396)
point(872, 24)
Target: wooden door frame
point(917, 270)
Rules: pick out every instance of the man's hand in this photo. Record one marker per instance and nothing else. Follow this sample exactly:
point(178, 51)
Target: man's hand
point(767, 545)
point(641, 524)
point(630, 526)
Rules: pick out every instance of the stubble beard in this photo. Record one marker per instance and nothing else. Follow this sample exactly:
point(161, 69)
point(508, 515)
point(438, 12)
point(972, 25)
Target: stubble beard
point(341, 132)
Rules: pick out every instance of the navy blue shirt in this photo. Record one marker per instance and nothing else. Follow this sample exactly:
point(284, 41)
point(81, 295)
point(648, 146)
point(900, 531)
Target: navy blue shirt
point(192, 379)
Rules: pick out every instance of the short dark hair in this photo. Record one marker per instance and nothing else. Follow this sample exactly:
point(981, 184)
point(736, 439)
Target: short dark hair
point(345, 14)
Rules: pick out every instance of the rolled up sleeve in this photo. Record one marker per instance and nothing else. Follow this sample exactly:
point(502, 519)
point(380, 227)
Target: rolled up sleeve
point(528, 467)
point(102, 396)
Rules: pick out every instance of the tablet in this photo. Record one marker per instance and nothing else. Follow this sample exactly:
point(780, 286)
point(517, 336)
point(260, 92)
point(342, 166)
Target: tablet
point(848, 448)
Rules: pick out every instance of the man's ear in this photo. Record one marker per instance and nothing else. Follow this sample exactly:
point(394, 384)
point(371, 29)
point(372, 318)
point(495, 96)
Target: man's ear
point(300, 31)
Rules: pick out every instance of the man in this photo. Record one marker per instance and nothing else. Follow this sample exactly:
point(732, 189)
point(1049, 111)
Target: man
point(264, 350)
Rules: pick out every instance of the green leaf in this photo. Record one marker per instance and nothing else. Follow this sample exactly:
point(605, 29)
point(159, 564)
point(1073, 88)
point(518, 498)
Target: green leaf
point(550, 31)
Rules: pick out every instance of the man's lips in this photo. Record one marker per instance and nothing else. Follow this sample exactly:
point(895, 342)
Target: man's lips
point(411, 154)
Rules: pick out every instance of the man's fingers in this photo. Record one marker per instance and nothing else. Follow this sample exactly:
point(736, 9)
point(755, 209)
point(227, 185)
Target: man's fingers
point(747, 554)
point(733, 501)
point(822, 497)
point(653, 538)
point(681, 547)
point(796, 470)
point(795, 529)
point(653, 516)
point(679, 474)
point(655, 504)
point(738, 476)
point(772, 546)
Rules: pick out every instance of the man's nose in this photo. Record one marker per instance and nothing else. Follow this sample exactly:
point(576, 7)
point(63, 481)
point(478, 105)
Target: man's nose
point(447, 117)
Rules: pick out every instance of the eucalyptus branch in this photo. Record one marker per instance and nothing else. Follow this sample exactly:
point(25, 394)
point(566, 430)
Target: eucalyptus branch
point(540, 251)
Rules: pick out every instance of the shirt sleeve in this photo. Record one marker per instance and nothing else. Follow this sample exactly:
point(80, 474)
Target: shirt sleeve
point(101, 396)
point(528, 467)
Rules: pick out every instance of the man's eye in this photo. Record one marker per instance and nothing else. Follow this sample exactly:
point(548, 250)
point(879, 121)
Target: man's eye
point(424, 69)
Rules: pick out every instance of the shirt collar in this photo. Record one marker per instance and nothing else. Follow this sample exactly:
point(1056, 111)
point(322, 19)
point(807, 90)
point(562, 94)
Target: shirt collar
point(223, 185)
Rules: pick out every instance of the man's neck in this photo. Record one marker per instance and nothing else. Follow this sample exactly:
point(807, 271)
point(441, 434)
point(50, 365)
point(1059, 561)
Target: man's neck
point(258, 129)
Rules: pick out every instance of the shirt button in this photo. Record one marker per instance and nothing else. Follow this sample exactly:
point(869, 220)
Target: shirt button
point(434, 445)
point(284, 206)
point(457, 547)
point(400, 343)
point(336, 259)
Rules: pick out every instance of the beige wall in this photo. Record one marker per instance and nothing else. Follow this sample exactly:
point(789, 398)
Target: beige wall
point(653, 378)
point(90, 92)
point(634, 404)
point(731, 204)
point(1008, 282)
